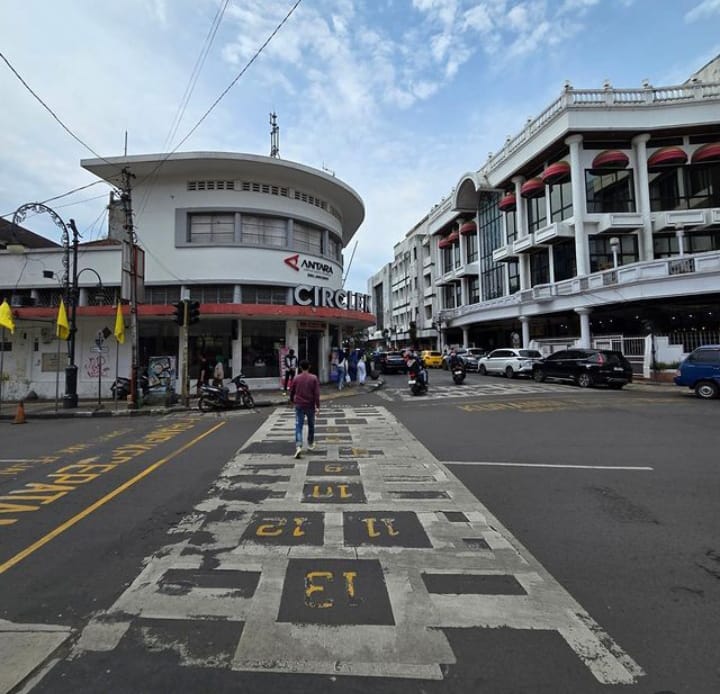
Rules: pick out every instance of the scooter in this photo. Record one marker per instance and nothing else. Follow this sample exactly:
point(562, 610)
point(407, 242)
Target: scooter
point(458, 374)
point(219, 398)
point(121, 387)
point(418, 380)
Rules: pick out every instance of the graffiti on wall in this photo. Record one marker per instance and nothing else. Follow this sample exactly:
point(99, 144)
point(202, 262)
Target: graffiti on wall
point(94, 364)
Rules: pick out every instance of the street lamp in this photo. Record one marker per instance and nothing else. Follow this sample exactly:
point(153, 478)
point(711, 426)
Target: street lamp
point(70, 398)
point(615, 248)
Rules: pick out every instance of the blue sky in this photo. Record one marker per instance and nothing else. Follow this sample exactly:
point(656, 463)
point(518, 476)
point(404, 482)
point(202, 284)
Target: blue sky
point(398, 98)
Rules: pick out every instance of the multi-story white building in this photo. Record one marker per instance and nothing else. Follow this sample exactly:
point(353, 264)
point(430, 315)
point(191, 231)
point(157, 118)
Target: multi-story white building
point(600, 221)
point(256, 240)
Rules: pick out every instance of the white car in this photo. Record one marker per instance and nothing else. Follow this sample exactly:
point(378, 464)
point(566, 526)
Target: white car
point(509, 361)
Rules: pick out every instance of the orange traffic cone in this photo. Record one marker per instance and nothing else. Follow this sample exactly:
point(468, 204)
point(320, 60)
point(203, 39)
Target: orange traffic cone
point(20, 414)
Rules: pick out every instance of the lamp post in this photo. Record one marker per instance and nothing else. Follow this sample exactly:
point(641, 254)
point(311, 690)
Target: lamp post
point(69, 281)
point(615, 248)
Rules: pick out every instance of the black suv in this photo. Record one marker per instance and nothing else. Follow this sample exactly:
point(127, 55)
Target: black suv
point(392, 362)
point(586, 367)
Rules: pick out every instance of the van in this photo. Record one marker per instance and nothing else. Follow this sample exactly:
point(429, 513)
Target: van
point(700, 371)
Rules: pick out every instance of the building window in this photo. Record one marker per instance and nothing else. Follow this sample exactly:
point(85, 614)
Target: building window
point(564, 260)
point(703, 185)
point(449, 296)
point(212, 228)
point(162, 295)
point(537, 213)
point(334, 251)
point(447, 259)
point(601, 256)
point(264, 231)
point(490, 237)
point(213, 294)
point(510, 226)
point(263, 294)
point(471, 247)
point(665, 191)
point(474, 290)
point(307, 238)
point(539, 268)
point(561, 203)
point(609, 191)
point(261, 343)
point(513, 267)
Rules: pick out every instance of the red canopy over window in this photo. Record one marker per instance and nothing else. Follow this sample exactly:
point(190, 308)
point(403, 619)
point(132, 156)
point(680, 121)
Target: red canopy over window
point(508, 202)
point(468, 228)
point(667, 156)
point(610, 159)
point(533, 188)
point(556, 173)
point(707, 153)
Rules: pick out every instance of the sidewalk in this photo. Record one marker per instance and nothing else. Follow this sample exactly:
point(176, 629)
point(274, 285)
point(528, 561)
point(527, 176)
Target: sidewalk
point(48, 409)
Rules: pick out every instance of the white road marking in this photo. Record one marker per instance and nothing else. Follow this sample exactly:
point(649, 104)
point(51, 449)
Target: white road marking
point(634, 468)
point(412, 644)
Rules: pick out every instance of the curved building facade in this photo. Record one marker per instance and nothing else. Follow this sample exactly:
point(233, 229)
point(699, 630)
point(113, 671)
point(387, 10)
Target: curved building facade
point(256, 241)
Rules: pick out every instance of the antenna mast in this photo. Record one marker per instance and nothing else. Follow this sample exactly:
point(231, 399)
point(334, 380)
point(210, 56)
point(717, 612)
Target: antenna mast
point(274, 136)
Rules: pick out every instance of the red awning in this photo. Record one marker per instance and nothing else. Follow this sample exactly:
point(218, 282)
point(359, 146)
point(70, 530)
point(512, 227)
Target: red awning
point(468, 228)
point(707, 153)
point(556, 173)
point(667, 156)
point(508, 202)
point(454, 236)
point(610, 159)
point(534, 188)
point(445, 242)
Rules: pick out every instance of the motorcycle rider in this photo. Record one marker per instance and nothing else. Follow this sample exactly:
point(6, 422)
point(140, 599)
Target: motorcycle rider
point(456, 362)
point(416, 368)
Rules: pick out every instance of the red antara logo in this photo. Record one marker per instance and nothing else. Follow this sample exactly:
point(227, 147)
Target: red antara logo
point(292, 261)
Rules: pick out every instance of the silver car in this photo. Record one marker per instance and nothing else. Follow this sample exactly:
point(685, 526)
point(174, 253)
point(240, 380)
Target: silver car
point(509, 361)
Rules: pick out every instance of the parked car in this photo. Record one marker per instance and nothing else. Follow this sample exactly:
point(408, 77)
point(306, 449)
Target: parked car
point(700, 371)
point(392, 362)
point(586, 367)
point(509, 361)
point(431, 359)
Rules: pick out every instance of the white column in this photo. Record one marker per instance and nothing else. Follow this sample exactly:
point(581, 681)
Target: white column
point(466, 336)
point(525, 323)
point(522, 231)
point(585, 336)
point(680, 235)
point(577, 176)
point(642, 186)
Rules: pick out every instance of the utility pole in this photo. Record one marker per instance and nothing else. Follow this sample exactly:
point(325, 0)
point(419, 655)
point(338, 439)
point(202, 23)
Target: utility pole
point(130, 240)
point(185, 366)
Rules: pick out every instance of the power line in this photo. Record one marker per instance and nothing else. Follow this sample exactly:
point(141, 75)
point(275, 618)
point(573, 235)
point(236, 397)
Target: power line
point(64, 195)
point(51, 112)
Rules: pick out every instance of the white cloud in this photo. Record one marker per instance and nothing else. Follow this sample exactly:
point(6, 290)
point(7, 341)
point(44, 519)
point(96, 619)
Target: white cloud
point(707, 8)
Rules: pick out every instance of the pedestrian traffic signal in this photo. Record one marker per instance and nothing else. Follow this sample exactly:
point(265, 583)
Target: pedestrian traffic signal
point(179, 314)
point(193, 312)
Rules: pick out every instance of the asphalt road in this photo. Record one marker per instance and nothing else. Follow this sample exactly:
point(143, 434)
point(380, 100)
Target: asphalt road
point(613, 493)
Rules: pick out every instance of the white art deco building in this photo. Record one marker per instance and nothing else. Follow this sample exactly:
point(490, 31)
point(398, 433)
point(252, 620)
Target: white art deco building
point(256, 240)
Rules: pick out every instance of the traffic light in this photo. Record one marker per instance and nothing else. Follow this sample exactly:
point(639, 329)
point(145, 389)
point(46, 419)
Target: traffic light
point(179, 314)
point(193, 312)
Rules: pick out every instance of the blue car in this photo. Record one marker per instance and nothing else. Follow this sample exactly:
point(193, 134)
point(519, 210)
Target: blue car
point(700, 372)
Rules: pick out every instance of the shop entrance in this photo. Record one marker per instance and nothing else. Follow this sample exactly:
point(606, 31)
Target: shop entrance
point(309, 348)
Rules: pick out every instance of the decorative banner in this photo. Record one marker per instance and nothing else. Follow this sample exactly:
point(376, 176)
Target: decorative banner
point(6, 316)
point(119, 325)
point(63, 327)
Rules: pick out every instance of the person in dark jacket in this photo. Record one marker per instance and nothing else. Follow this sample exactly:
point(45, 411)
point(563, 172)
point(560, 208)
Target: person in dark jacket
point(290, 368)
point(305, 395)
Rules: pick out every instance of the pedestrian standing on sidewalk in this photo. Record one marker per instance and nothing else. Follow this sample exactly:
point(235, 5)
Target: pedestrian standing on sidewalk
point(305, 395)
point(361, 369)
point(342, 369)
point(290, 368)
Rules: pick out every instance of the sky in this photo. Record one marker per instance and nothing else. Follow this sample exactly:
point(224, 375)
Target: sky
point(397, 98)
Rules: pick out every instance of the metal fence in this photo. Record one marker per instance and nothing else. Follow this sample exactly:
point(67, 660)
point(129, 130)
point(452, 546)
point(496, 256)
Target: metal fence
point(691, 339)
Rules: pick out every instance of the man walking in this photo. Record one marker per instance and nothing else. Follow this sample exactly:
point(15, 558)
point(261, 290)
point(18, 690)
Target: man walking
point(290, 368)
point(305, 395)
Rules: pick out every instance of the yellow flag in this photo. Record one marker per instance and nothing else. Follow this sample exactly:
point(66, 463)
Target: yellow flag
point(6, 316)
point(63, 327)
point(119, 326)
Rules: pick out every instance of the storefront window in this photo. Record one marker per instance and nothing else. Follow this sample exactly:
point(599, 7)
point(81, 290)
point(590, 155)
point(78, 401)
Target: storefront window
point(261, 344)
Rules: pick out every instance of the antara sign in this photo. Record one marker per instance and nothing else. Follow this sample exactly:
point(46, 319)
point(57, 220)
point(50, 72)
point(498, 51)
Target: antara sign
point(314, 268)
point(326, 297)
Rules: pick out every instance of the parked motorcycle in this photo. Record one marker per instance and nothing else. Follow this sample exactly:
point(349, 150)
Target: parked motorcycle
point(458, 374)
point(121, 387)
point(219, 397)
